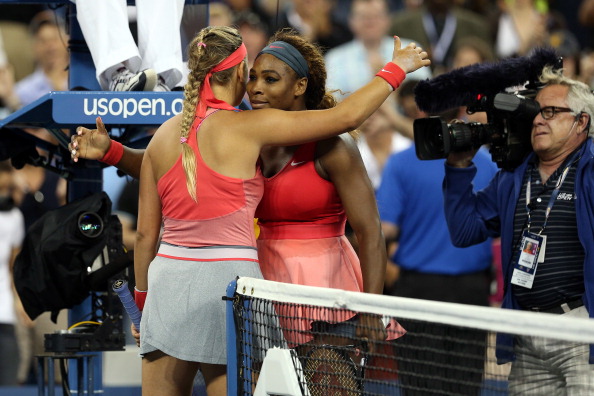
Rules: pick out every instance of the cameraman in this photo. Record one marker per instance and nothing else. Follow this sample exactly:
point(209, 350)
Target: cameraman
point(548, 201)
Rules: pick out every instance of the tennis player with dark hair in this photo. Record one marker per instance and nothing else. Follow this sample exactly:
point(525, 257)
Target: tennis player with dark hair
point(206, 190)
point(312, 188)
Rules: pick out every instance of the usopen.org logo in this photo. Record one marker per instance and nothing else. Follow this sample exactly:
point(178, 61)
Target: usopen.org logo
point(131, 106)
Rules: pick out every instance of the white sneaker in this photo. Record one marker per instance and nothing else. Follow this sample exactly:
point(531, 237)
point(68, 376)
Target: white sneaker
point(124, 80)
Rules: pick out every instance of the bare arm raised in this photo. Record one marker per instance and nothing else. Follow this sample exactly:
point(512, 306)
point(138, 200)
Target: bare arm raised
point(270, 126)
point(276, 127)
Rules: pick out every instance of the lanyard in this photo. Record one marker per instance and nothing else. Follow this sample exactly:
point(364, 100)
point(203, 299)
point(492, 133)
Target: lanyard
point(440, 45)
point(554, 194)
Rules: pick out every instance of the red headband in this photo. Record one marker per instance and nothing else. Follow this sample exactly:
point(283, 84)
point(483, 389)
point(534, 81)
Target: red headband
point(207, 98)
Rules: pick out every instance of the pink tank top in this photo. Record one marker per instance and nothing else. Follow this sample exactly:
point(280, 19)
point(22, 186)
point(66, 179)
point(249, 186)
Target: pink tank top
point(298, 203)
point(224, 213)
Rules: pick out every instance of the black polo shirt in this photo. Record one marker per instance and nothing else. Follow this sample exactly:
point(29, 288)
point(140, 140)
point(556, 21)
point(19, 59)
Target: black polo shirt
point(560, 278)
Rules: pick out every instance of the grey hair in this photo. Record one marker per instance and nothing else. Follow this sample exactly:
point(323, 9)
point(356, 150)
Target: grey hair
point(579, 96)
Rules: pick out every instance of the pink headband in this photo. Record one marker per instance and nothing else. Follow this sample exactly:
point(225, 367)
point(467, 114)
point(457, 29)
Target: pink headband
point(207, 98)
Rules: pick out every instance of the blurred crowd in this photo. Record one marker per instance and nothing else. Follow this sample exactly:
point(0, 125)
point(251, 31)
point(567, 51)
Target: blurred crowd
point(356, 36)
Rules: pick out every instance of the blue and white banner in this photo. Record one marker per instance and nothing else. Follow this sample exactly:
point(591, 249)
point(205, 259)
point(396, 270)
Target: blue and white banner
point(139, 108)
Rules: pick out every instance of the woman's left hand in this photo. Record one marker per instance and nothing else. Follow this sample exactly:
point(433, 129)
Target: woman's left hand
point(371, 328)
point(135, 334)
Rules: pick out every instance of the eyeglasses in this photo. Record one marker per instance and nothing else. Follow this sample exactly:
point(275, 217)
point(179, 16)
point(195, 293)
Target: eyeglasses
point(549, 112)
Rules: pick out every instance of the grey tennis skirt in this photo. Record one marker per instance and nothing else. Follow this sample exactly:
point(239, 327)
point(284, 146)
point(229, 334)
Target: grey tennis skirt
point(184, 314)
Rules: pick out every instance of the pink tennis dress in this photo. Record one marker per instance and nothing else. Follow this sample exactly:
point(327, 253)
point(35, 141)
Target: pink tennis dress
point(205, 245)
point(302, 239)
point(302, 221)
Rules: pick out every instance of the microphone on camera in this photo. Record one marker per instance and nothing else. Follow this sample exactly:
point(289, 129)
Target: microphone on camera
point(462, 87)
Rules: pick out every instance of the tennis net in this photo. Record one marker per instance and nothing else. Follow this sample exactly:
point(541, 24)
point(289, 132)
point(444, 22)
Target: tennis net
point(286, 339)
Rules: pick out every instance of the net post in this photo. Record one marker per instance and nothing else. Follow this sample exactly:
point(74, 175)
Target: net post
point(231, 335)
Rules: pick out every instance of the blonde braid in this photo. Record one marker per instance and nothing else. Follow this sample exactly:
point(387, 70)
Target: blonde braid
point(191, 98)
point(210, 46)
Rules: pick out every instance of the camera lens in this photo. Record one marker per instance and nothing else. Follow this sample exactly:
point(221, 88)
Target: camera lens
point(90, 224)
point(432, 138)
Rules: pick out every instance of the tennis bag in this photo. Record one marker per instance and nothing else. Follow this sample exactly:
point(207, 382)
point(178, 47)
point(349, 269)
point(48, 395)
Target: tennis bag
point(51, 271)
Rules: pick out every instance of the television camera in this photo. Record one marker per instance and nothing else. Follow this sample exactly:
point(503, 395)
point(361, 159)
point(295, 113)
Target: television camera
point(485, 88)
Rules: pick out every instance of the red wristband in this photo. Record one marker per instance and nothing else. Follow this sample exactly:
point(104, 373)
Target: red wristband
point(114, 154)
point(139, 298)
point(393, 74)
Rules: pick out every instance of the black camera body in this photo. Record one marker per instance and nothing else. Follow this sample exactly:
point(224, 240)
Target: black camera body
point(483, 87)
point(507, 131)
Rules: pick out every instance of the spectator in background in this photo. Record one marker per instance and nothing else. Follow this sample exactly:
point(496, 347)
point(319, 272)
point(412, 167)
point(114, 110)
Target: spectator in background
point(471, 50)
point(427, 266)
point(586, 19)
point(270, 10)
point(377, 141)
point(220, 14)
point(439, 25)
point(254, 32)
point(51, 58)
point(343, 7)
point(385, 132)
point(12, 232)
point(121, 65)
point(14, 29)
point(422, 260)
point(521, 26)
point(351, 64)
point(39, 190)
point(314, 20)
